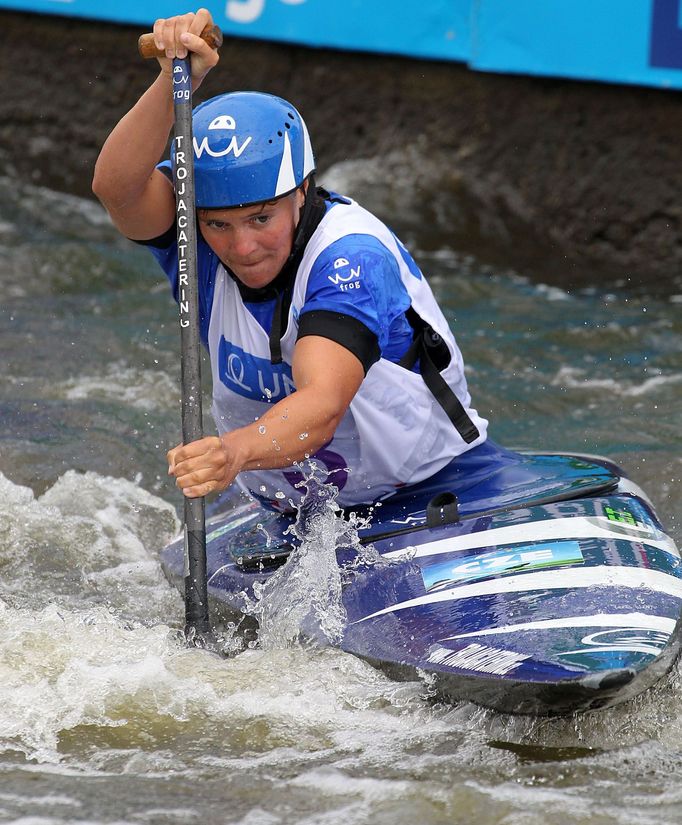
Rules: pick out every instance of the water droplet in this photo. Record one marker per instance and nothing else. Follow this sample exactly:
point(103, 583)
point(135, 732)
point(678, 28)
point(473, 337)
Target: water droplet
point(263, 488)
point(261, 429)
point(303, 437)
point(279, 494)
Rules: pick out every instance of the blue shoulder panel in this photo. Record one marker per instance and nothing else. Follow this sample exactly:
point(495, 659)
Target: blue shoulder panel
point(358, 276)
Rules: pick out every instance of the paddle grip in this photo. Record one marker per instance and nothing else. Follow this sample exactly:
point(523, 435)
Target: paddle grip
point(147, 48)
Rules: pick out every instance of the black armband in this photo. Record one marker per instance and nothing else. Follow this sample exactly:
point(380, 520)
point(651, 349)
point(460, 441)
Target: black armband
point(345, 330)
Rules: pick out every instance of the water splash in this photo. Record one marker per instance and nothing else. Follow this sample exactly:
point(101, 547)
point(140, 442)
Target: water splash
point(303, 600)
point(306, 592)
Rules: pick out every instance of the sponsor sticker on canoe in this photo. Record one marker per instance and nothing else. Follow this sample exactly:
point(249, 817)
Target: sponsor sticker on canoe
point(622, 516)
point(618, 647)
point(497, 562)
point(479, 658)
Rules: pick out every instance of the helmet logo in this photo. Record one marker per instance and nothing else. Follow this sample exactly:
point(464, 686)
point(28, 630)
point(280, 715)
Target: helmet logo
point(221, 122)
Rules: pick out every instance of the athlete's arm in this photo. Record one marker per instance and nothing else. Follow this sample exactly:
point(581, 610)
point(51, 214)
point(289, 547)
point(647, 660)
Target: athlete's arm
point(138, 197)
point(326, 376)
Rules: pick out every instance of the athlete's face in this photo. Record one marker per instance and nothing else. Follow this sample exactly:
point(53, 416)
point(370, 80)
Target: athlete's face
point(253, 241)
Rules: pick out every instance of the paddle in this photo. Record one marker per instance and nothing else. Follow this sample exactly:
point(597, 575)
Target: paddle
point(197, 629)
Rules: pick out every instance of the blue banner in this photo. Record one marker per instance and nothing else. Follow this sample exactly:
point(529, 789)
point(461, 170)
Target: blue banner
point(622, 41)
point(434, 29)
point(666, 35)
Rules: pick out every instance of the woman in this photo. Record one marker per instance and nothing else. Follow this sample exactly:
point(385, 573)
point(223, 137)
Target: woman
point(325, 339)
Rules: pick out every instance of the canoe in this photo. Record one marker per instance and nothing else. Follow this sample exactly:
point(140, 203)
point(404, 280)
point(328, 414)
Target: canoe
point(529, 583)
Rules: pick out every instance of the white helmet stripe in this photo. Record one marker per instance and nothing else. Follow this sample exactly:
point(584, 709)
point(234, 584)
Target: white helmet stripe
point(286, 181)
point(308, 159)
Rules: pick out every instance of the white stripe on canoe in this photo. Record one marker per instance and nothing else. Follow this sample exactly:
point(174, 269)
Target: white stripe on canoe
point(639, 621)
point(574, 578)
point(649, 650)
point(575, 527)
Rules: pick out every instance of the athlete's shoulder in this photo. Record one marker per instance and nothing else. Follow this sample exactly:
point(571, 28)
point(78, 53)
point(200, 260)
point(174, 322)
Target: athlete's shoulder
point(344, 258)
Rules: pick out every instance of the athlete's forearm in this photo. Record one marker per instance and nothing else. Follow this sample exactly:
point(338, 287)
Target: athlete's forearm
point(291, 431)
point(327, 377)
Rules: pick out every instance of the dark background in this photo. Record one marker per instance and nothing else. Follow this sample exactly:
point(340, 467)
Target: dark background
point(576, 182)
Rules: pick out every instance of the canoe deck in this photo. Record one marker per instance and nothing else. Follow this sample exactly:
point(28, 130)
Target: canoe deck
point(549, 598)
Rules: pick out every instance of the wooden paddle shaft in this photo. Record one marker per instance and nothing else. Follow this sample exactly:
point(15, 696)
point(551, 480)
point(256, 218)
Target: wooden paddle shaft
point(147, 48)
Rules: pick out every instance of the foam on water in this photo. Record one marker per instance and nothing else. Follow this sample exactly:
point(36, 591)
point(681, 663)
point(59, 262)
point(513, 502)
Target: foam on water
point(95, 680)
point(88, 633)
point(26, 205)
point(84, 532)
point(570, 377)
point(144, 389)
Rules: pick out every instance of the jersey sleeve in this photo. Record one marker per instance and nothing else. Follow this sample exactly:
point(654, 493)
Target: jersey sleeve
point(355, 296)
point(165, 250)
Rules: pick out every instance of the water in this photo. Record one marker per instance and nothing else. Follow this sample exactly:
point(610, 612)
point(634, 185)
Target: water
point(106, 717)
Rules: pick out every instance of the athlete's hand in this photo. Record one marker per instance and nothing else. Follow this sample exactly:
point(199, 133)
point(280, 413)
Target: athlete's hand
point(179, 36)
point(204, 466)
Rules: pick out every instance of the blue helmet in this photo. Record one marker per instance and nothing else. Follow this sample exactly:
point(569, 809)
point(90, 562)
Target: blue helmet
point(249, 147)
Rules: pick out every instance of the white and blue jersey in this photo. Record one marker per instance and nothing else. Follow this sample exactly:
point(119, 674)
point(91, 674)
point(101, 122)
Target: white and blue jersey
point(357, 285)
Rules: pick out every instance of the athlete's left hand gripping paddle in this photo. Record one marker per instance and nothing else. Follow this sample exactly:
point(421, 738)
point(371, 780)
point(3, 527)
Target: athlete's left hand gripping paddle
point(147, 47)
point(197, 629)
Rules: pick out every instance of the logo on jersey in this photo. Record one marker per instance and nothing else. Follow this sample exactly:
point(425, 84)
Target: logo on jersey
point(253, 377)
point(222, 123)
point(345, 276)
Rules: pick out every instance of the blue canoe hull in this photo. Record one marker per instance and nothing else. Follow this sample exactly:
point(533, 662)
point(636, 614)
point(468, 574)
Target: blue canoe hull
point(550, 588)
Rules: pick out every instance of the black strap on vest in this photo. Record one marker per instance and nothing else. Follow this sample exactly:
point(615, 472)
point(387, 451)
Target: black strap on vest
point(433, 355)
point(276, 330)
point(312, 213)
